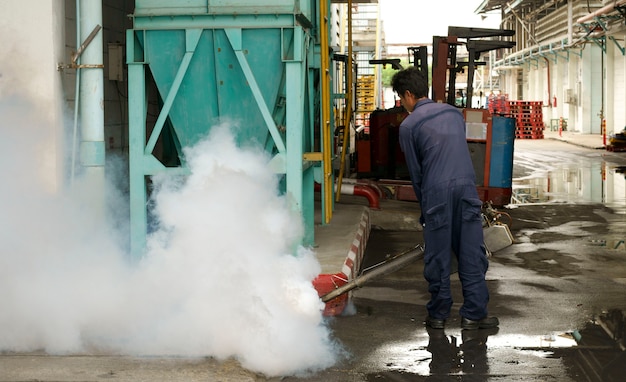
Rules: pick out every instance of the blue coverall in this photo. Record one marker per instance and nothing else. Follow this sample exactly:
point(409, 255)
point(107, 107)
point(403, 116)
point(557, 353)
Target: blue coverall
point(433, 140)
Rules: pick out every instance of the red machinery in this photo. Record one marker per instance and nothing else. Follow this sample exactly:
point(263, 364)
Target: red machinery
point(378, 154)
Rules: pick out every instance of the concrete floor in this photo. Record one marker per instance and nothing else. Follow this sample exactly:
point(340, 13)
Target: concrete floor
point(556, 283)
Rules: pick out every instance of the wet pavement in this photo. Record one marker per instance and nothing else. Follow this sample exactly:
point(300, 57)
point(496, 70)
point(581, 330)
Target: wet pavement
point(557, 291)
point(549, 289)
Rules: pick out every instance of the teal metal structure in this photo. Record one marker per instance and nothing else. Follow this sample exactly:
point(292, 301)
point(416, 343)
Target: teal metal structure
point(250, 61)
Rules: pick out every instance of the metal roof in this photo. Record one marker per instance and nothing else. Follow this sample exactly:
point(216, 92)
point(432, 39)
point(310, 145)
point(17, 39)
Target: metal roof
point(511, 5)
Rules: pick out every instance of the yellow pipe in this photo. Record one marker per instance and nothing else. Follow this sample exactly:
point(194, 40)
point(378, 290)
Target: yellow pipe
point(325, 100)
point(348, 108)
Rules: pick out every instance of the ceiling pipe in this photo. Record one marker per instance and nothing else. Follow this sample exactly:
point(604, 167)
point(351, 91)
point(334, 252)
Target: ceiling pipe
point(602, 11)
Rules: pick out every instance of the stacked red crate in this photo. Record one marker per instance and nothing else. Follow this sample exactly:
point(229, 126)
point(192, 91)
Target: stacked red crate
point(499, 104)
point(528, 118)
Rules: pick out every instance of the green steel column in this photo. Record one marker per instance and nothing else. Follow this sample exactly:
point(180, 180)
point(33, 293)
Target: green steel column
point(295, 122)
point(137, 110)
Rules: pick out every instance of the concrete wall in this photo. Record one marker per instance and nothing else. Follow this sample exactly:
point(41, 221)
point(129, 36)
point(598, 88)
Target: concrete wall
point(590, 95)
point(36, 41)
point(616, 83)
point(31, 48)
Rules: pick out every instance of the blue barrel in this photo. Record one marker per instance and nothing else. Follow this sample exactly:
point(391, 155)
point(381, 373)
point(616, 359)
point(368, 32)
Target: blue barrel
point(501, 163)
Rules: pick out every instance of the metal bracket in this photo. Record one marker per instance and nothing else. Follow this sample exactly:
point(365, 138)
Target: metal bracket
point(621, 48)
point(79, 52)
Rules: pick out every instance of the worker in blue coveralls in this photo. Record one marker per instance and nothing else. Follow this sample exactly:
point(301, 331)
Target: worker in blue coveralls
point(433, 140)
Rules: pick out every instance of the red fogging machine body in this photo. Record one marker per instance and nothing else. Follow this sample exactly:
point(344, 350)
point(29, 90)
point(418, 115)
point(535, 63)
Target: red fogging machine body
point(333, 288)
point(325, 284)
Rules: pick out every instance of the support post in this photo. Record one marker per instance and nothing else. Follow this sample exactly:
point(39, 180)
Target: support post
point(137, 111)
point(91, 105)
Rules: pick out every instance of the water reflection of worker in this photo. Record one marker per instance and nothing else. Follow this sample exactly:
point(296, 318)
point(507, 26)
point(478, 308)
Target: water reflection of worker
point(444, 353)
point(432, 138)
point(470, 357)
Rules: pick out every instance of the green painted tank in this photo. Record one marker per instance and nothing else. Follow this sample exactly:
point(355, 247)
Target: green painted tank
point(243, 60)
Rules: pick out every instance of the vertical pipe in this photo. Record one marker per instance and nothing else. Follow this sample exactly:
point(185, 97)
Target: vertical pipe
point(137, 112)
point(570, 15)
point(348, 108)
point(295, 110)
point(327, 193)
point(610, 88)
point(76, 97)
point(549, 81)
point(602, 87)
point(91, 103)
point(470, 81)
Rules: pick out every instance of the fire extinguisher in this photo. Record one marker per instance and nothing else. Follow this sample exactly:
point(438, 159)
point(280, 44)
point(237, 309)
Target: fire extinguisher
point(554, 101)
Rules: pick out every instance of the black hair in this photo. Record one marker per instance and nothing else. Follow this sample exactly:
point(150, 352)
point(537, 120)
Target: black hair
point(411, 79)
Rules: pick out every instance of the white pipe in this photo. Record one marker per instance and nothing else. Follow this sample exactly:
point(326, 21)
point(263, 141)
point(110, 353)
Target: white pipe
point(91, 102)
point(76, 97)
point(570, 15)
point(602, 11)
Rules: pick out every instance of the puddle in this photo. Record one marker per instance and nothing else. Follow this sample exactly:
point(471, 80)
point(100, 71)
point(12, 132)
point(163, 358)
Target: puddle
point(464, 353)
point(591, 181)
point(482, 353)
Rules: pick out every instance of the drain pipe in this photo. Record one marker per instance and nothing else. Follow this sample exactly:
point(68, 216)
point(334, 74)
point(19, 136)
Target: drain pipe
point(362, 190)
point(358, 190)
point(91, 102)
point(369, 183)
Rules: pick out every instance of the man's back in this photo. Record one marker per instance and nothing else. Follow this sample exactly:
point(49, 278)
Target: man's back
point(435, 132)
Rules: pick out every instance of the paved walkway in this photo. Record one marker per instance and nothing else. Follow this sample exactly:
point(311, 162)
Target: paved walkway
point(592, 141)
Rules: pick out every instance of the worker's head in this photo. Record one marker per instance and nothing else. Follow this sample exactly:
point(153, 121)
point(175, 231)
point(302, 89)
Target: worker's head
point(410, 84)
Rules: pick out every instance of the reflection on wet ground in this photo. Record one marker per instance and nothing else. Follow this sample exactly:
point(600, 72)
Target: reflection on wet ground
point(569, 177)
point(561, 270)
point(593, 353)
point(593, 183)
point(442, 354)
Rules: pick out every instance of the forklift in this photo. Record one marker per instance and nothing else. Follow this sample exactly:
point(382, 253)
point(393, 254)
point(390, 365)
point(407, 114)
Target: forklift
point(378, 154)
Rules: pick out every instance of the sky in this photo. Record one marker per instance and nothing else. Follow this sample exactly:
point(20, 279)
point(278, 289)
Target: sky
point(413, 22)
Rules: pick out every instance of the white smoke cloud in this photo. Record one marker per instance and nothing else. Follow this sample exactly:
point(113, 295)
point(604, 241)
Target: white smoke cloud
point(224, 275)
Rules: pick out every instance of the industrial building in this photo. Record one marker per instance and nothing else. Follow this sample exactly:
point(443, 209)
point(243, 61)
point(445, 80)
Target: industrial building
point(569, 55)
point(95, 88)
